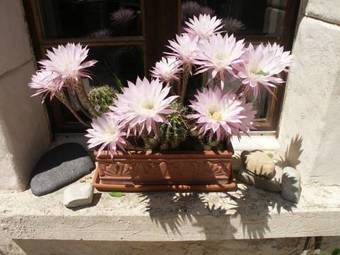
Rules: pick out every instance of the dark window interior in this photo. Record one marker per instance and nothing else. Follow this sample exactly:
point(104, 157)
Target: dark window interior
point(99, 18)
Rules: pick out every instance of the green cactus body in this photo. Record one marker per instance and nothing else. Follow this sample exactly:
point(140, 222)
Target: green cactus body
point(102, 97)
point(173, 133)
point(84, 100)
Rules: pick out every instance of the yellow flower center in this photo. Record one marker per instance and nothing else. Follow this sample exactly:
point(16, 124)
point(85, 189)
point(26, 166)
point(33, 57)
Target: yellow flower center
point(148, 105)
point(259, 72)
point(220, 56)
point(216, 116)
point(110, 132)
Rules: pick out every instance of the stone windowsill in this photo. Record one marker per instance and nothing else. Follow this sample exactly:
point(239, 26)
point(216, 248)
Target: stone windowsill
point(248, 213)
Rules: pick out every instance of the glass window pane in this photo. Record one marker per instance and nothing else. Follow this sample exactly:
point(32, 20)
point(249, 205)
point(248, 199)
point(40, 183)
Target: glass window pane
point(124, 62)
point(261, 104)
point(91, 18)
point(247, 17)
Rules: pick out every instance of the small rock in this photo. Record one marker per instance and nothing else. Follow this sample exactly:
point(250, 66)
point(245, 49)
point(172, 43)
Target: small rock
point(259, 163)
point(59, 167)
point(273, 185)
point(246, 177)
point(78, 194)
point(291, 184)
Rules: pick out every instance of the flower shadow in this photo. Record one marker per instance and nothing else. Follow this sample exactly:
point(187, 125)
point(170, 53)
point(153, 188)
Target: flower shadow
point(244, 213)
point(173, 212)
point(292, 154)
point(255, 208)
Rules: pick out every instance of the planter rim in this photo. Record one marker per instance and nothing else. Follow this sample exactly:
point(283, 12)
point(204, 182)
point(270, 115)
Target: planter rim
point(158, 155)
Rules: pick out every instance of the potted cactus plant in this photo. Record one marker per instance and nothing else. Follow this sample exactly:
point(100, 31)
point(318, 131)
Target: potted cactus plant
point(148, 134)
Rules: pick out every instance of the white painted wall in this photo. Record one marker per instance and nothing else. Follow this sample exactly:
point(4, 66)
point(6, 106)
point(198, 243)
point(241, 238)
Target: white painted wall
point(24, 126)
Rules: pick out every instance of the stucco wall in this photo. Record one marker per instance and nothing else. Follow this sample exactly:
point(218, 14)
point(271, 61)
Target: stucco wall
point(311, 106)
point(24, 126)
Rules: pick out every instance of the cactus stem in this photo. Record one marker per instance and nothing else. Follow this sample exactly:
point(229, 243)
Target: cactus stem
point(84, 100)
point(62, 98)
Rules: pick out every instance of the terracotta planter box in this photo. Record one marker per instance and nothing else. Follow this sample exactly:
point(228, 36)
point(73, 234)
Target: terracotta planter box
point(143, 171)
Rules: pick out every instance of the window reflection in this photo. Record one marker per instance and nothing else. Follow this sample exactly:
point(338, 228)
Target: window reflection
point(124, 62)
point(91, 18)
point(245, 17)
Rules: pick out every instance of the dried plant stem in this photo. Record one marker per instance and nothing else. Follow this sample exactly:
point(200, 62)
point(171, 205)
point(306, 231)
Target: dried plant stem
point(205, 79)
point(184, 84)
point(74, 101)
point(178, 87)
point(63, 99)
point(84, 100)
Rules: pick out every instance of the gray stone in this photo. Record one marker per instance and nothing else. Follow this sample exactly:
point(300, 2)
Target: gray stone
point(260, 182)
point(60, 166)
point(259, 163)
point(291, 184)
point(78, 194)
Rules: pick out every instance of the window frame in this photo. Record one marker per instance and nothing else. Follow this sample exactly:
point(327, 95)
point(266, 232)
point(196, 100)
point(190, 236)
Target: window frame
point(153, 39)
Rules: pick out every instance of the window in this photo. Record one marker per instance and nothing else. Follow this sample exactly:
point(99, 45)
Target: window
point(127, 37)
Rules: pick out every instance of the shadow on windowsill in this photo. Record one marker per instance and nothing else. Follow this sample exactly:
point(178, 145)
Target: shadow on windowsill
point(213, 212)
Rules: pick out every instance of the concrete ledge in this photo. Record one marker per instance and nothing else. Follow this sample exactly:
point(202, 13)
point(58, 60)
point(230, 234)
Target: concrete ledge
point(256, 141)
point(248, 213)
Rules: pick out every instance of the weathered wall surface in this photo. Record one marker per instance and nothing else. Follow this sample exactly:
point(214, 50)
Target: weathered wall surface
point(311, 106)
point(293, 246)
point(24, 128)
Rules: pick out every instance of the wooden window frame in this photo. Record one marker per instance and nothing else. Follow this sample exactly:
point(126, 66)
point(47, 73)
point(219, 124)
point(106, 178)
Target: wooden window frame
point(158, 26)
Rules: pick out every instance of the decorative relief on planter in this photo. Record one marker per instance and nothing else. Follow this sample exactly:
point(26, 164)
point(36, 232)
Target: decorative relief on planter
point(176, 171)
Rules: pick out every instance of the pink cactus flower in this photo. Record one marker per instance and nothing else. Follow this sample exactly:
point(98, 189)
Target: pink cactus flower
point(204, 26)
point(219, 114)
point(45, 83)
point(185, 48)
point(218, 54)
point(68, 61)
point(262, 65)
point(167, 69)
point(142, 106)
point(106, 133)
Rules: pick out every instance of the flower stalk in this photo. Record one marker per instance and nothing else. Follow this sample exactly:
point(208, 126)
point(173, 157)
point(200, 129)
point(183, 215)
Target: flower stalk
point(184, 85)
point(84, 100)
point(63, 99)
